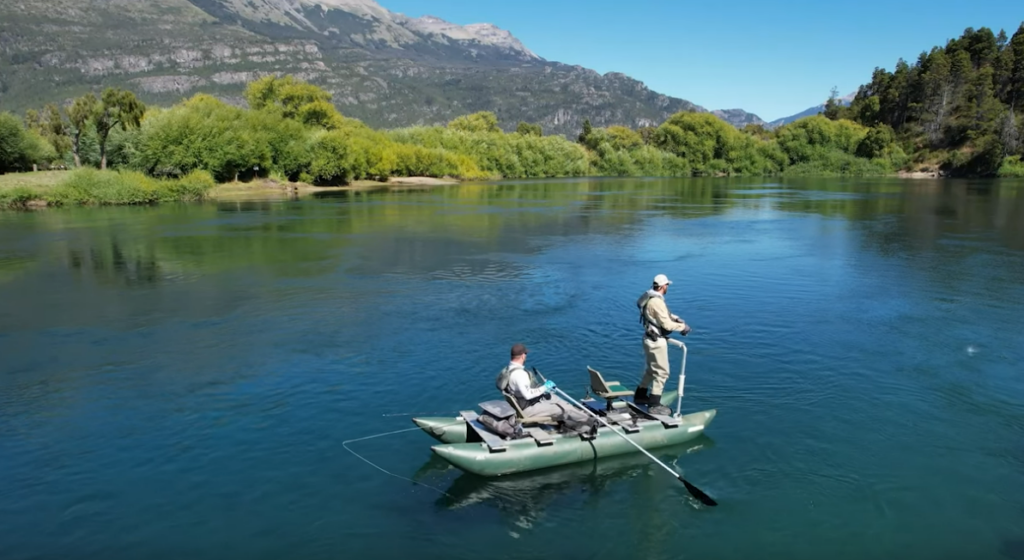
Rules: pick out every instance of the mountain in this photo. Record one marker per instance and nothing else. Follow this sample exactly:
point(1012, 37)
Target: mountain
point(738, 117)
point(845, 101)
point(384, 68)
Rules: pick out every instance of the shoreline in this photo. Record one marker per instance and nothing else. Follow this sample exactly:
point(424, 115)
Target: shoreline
point(263, 188)
point(27, 191)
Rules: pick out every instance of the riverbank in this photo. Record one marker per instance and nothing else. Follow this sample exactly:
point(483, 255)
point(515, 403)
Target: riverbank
point(42, 189)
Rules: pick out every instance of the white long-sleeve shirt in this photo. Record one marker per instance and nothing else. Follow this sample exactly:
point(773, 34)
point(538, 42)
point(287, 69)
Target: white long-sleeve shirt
point(520, 383)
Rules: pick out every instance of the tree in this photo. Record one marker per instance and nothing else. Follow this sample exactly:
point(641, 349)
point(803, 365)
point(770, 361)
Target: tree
point(647, 134)
point(21, 149)
point(80, 114)
point(622, 138)
point(588, 129)
point(833, 107)
point(294, 99)
point(876, 142)
point(483, 121)
point(527, 129)
point(118, 108)
point(1009, 135)
point(1015, 93)
point(937, 94)
point(51, 125)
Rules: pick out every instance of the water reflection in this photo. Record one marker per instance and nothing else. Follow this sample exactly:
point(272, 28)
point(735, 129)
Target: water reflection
point(418, 231)
point(114, 264)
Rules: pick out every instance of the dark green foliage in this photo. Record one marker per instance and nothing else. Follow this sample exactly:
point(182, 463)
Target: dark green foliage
point(483, 121)
point(21, 148)
point(959, 100)
point(527, 129)
point(1011, 167)
point(117, 108)
point(204, 133)
point(588, 129)
point(833, 107)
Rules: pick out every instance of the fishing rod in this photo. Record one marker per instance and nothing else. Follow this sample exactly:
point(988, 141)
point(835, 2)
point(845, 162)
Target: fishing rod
point(694, 491)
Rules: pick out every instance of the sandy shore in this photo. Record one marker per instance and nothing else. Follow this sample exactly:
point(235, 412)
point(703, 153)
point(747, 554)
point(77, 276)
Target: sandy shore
point(266, 188)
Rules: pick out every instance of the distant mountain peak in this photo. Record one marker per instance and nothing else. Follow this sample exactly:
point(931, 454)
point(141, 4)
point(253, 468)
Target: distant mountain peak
point(484, 33)
point(846, 100)
point(738, 117)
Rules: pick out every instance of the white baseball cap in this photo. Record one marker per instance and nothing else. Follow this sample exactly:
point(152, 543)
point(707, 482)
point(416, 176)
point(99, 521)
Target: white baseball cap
point(661, 280)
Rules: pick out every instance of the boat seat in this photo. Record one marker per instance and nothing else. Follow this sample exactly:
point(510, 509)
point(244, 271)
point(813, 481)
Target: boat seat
point(523, 418)
point(607, 390)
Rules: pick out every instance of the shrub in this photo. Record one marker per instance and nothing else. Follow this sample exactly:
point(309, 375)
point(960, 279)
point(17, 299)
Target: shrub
point(1011, 167)
point(17, 198)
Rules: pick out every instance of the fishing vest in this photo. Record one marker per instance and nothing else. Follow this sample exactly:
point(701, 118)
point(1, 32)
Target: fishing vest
point(502, 384)
point(652, 330)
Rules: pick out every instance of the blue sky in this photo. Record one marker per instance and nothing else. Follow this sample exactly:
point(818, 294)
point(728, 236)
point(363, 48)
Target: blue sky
point(770, 58)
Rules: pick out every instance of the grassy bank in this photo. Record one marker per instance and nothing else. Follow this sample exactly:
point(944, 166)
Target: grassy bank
point(89, 187)
point(92, 187)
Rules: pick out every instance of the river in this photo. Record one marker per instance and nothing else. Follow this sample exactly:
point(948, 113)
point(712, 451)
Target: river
point(177, 381)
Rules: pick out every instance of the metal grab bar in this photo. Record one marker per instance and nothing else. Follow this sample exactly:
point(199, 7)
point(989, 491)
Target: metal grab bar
point(682, 374)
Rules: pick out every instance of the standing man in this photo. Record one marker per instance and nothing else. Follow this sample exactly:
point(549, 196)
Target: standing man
point(537, 401)
point(658, 324)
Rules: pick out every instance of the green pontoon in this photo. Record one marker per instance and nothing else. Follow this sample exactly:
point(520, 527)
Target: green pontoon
point(468, 443)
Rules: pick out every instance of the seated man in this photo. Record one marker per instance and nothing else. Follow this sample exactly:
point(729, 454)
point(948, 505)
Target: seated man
point(539, 401)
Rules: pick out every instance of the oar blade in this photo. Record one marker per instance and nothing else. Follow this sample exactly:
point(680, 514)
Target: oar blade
point(698, 493)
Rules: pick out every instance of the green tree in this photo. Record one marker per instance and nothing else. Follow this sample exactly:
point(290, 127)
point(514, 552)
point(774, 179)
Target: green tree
point(20, 148)
point(938, 94)
point(483, 121)
point(294, 99)
point(117, 108)
point(1015, 78)
point(588, 129)
point(81, 113)
point(877, 142)
point(622, 138)
point(528, 129)
point(833, 106)
point(51, 125)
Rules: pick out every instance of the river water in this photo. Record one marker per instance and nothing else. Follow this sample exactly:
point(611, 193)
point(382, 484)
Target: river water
point(177, 381)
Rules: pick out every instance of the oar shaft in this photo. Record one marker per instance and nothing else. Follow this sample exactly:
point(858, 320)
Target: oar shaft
point(618, 433)
point(694, 491)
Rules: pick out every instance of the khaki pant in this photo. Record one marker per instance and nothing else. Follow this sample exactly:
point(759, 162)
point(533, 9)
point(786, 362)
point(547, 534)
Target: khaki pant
point(558, 409)
point(656, 365)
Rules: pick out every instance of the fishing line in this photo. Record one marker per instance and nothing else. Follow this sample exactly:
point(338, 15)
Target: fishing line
point(368, 462)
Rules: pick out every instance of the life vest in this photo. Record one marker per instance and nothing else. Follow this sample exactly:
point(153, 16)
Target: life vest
point(502, 381)
point(502, 384)
point(652, 330)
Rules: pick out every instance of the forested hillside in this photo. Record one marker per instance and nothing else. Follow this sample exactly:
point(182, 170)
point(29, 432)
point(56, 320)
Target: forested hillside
point(956, 108)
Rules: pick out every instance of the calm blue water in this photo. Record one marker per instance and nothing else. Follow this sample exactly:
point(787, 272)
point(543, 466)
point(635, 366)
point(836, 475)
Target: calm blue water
point(176, 382)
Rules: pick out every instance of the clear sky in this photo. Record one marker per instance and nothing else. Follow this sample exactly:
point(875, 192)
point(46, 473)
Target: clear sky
point(772, 58)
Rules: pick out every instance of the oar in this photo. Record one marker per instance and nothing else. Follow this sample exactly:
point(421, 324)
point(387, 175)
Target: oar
point(694, 491)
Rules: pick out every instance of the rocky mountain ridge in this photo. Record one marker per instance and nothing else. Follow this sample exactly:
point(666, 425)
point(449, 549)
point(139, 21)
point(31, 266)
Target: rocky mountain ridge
point(384, 68)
